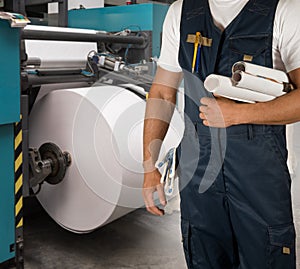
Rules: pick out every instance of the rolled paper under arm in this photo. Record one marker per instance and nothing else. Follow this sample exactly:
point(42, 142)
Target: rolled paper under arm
point(263, 71)
point(258, 84)
point(222, 85)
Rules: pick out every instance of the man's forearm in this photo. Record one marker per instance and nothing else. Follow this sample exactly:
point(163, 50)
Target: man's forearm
point(159, 111)
point(283, 110)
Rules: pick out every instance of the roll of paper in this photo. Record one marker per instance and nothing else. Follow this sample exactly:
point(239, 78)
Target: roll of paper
point(101, 127)
point(59, 53)
point(222, 85)
point(254, 69)
point(257, 83)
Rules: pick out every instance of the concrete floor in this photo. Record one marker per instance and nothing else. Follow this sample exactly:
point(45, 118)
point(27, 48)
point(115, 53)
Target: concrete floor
point(138, 240)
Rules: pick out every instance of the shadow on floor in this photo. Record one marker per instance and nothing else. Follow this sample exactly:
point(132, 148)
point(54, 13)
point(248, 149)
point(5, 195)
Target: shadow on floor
point(138, 240)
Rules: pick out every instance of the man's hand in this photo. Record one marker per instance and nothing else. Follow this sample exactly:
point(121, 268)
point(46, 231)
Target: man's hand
point(151, 185)
point(218, 112)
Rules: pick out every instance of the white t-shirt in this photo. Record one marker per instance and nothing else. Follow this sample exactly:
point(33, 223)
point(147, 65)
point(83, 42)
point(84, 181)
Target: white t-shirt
point(286, 33)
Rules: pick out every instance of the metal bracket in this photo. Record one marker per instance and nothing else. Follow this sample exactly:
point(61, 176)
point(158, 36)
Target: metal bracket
point(39, 169)
point(48, 163)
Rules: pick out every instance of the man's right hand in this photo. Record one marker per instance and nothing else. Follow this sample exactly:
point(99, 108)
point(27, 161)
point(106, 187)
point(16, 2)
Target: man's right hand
point(151, 185)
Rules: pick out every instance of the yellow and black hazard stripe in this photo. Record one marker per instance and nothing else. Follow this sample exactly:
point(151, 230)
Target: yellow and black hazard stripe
point(19, 259)
point(18, 175)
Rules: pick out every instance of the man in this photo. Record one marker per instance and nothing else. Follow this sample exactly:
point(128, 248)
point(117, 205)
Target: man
point(235, 202)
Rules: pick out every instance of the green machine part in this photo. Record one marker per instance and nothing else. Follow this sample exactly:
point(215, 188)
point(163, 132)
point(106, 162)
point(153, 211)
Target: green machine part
point(9, 115)
point(144, 17)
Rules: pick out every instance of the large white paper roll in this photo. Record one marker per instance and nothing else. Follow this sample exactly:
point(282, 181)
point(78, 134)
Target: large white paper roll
point(101, 127)
point(222, 85)
point(59, 53)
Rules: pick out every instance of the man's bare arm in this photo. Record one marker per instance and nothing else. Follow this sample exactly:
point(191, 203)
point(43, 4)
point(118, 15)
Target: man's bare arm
point(159, 110)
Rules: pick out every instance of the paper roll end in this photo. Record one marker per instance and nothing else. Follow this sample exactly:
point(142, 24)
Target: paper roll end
point(211, 83)
point(238, 66)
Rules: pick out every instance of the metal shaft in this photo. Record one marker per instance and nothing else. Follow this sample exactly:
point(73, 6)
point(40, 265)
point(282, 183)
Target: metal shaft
point(35, 80)
point(80, 37)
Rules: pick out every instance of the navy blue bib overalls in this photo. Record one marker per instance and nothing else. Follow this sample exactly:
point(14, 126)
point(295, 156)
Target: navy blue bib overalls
point(244, 218)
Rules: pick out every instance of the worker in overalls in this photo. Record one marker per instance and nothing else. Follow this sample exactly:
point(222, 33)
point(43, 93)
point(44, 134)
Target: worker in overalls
point(235, 185)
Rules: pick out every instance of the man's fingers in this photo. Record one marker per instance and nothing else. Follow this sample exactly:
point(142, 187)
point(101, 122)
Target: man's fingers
point(205, 122)
point(161, 194)
point(155, 211)
point(203, 109)
point(202, 116)
point(206, 101)
point(149, 201)
point(150, 206)
point(148, 196)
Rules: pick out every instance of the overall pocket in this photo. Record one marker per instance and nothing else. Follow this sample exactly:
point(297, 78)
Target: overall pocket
point(281, 248)
point(277, 148)
point(253, 48)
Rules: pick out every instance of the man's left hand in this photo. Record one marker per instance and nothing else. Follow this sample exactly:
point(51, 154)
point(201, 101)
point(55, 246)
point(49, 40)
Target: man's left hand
point(218, 112)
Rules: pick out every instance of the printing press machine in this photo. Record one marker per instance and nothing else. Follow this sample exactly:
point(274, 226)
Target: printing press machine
point(119, 58)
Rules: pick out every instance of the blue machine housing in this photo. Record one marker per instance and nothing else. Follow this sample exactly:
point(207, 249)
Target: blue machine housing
point(144, 17)
point(9, 74)
point(9, 114)
point(7, 221)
